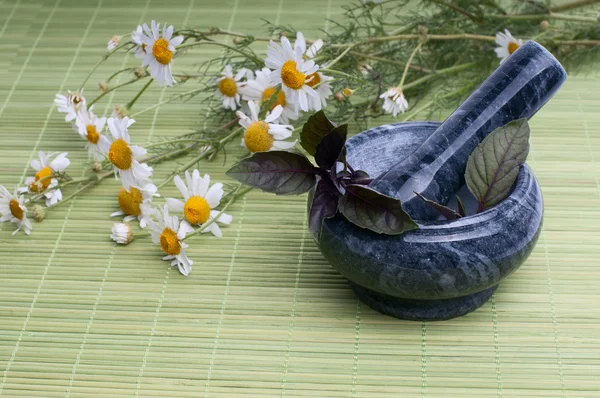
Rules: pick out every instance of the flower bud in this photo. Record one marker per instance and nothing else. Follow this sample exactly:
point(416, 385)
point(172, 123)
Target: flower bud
point(422, 29)
point(283, 33)
point(119, 112)
point(238, 40)
point(213, 30)
point(139, 72)
point(544, 25)
point(96, 167)
point(348, 92)
point(113, 43)
point(339, 96)
point(121, 233)
point(103, 86)
point(38, 213)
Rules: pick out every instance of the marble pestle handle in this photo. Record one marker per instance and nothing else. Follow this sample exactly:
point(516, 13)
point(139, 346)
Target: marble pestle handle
point(518, 88)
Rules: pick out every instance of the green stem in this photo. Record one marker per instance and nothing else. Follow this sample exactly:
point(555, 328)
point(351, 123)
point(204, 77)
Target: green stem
point(237, 194)
point(139, 94)
point(104, 58)
point(336, 72)
point(214, 43)
point(389, 61)
point(410, 58)
point(173, 98)
point(457, 9)
point(339, 57)
point(573, 4)
point(112, 89)
point(175, 141)
point(92, 181)
point(536, 17)
point(199, 157)
point(441, 72)
point(118, 73)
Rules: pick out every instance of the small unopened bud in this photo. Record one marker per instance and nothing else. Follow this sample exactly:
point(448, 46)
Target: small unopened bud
point(339, 96)
point(119, 112)
point(544, 25)
point(38, 213)
point(139, 72)
point(213, 30)
point(283, 33)
point(348, 92)
point(422, 29)
point(121, 233)
point(103, 86)
point(96, 167)
point(238, 40)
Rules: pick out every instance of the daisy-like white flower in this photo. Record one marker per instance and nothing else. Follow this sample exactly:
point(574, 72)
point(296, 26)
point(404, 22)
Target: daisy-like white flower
point(122, 154)
point(394, 101)
point(261, 89)
point(135, 203)
point(228, 86)
point(121, 233)
point(159, 51)
point(199, 202)
point(323, 90)
point(70, 104)
point(136, 38)
point(113, 43)
point(12, 209)
point(264, 135)
point(169, 233)
point(292, 70)
point(43, 181)
point(90, 127)
point(507, 44)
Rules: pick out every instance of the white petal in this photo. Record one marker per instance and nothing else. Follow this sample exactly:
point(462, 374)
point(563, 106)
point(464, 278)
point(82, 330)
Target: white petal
point(175, 205)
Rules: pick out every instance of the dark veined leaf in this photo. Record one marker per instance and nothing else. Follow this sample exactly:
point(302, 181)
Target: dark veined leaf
point(494, 165)
point(445, 211)
point(316, 127)
point(324, 205)
point(461, 207)
point(330, 148)
point(372, 210)
point(279, 172)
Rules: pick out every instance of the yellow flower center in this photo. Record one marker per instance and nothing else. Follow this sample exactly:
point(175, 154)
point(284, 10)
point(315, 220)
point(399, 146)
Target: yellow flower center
point(15, 209)
point(42, 180)
point(228, 87)
point(512, 47)
point(290, 75)
point(119, 154)
point(348, 92)
point(92, 134)
point(316, 79)
point(268, 93)
point(196, 210)
point(129, 202)
point(257, 137)
point(161, 51)
point(169, 242)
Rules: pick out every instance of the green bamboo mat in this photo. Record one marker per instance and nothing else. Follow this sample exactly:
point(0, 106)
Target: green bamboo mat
point(262, 314)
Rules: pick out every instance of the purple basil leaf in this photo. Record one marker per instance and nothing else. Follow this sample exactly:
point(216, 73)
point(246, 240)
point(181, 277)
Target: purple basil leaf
point(461, 207)
point(316, 127)
point(372, 210)
point(324, 205)
point(331, 147)
point(278, 172)
point(447, 212)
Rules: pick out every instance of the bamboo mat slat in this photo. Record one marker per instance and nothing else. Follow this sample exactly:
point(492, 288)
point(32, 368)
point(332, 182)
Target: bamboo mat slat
point(262, 314)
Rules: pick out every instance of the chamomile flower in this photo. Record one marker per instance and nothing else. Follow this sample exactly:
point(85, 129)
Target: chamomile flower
point(394, 101)
point(135, 203)
point(264, 135)
point(12, 209)
point(199, 201)
point(122, 154)
point(43, 181)
point(136, 38)
point(292, 70)
point(121, 233)
point(70, 104)
point(113, 43)
point(261, 89)
point(507, 45)
point(159, 51)
point(228, 86)
point(90, 127)
point(169, 232)
point(323, 90)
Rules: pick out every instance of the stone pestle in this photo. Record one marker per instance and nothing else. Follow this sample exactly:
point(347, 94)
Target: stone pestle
point(518, 88)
